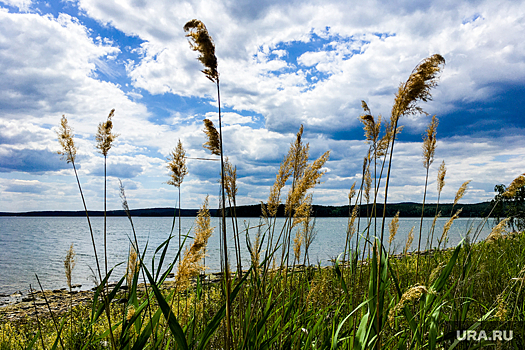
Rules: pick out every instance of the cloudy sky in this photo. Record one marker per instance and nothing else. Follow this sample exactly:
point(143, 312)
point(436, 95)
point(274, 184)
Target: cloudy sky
point(281, 64)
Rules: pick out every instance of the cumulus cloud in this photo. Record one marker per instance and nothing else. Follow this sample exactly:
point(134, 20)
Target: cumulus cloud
point(30, 161)
point(26, 186)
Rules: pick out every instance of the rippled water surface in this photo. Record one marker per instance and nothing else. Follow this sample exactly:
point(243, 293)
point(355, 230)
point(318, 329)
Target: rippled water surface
point(38, 245)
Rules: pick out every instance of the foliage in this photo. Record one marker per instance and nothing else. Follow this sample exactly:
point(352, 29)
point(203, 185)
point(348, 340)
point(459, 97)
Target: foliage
point(512, 207)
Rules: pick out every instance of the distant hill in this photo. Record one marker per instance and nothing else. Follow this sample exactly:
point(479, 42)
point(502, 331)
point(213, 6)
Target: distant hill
point(405, 210)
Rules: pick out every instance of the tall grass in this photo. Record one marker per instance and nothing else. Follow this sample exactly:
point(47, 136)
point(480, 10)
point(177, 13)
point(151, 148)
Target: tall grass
point(366, 299)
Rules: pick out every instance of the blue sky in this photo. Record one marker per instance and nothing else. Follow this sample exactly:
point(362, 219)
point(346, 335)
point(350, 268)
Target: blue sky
point(281, 64)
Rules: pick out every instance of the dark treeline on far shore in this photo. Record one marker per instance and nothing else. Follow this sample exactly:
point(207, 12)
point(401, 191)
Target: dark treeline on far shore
point(405, 210)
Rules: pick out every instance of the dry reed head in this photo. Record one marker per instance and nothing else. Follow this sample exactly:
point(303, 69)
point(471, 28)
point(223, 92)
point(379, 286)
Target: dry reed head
point(201, 41)
point(177, 165)
point(230, 179)
point(496, 232)
point(441, 177)
point(213, 144)
point(274, 199)
point(429, 143)
point(69, 264)
point(132, 264)
point(350, 230)
point(393, 227)
point(461, 191)
point(65, 138)
point(351, 193)
point(297, 243)
point(123, 199)
point(309, 179)
point(417, 88)
point(516, 184)
point(414, 293)
point(448, 224)
point(255, 252)
point(368, 185)
point(104, 136)
point(409, 241)
point(371, 127)
point(293, 163)
point(303, 210)
point(191, 263)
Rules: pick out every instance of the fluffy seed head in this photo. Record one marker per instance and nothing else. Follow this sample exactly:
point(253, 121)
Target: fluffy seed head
point(516, 184)
point(123, 199)
point(448, 224)
point(191, 263)
point(309, 179)
point(410, 239)
point(213, 144)
point(230, 179)
point(461, 191)
point(441, 177)
point(104, 136)
point(495, 234)
point(417, 88)
point(393, 226)
point(69, 264)
point(412, 294)
point(351, 194)
point(132, 264)
point(350, 230)
point(429, 143)
point(65, 138)
point(177, 165)
point(201, 41)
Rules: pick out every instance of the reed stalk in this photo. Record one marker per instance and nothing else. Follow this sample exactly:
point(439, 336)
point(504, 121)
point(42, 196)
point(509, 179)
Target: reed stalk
point(429, 148)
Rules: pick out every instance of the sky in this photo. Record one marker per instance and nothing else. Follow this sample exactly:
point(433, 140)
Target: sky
point(282, 64)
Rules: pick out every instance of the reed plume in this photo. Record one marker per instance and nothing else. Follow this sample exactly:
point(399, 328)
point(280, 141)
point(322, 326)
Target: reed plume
point(447, 226)
point(177, 165)
point(429, 143)
point(409, 241)
point(178, 170)
point(310, 178)
point(104, 135)
point(495, 234)
point(414, 293)
point(65, 138)
point(417, 88)
point(69, 265)
point(441, 177)
point(191, 263)
point(393, 227)
point(213, 144)
point(515, 185)
point(351, 229)
point(461, 192)
point(132, 266)
point(201, 41)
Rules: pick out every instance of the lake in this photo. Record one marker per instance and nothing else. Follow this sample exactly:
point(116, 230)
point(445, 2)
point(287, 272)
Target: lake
point(38, 245)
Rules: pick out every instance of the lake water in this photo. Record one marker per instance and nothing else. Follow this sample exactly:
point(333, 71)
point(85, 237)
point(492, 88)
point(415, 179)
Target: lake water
point(38, 245)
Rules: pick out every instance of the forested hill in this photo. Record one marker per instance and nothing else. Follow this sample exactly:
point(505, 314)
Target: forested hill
point(405, 210)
